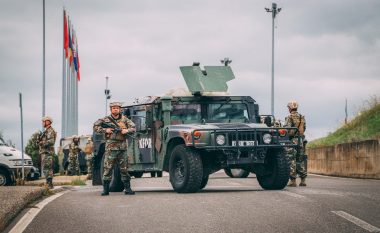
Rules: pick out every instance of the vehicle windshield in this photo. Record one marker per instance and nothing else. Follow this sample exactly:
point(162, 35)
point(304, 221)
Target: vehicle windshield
point(189, 113)
point(210, 112)
point(228, 112)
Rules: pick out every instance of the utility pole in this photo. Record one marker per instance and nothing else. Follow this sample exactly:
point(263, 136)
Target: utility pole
point(43, 58)
point(274, 12)
point(22, 137)
point(107, 93)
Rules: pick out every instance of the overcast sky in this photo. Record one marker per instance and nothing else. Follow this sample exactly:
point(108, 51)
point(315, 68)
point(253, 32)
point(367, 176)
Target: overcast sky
point(325, 52)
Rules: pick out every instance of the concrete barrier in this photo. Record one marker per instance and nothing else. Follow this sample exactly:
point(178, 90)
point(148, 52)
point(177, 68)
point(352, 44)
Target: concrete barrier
point(355, 159)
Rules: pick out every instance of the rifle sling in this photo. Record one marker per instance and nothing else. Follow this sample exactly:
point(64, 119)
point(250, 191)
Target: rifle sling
point(114, 122)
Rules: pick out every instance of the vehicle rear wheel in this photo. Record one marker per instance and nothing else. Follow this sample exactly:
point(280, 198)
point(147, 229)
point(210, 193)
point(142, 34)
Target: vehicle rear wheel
point(97, 170)
point(116, 185)
point(276, 173)
point(185, 169)
point(236, 173)
point(5, 178)
point(138, 174)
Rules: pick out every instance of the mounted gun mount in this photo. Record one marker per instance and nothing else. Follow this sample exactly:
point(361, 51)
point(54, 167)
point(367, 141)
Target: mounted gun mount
point(211, 79)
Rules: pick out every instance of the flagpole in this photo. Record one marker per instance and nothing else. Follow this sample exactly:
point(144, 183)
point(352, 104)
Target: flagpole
point(63, 124)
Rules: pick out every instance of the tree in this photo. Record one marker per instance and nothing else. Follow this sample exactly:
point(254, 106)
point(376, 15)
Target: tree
point(32, 149)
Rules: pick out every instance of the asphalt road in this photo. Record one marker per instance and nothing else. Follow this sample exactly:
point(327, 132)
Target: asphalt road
point(327, 204)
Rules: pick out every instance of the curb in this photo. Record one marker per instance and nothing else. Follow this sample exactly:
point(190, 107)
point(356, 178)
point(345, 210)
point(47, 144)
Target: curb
point(14, 204)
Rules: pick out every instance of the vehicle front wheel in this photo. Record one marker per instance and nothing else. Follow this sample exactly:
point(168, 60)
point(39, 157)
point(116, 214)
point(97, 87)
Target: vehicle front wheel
point(5, 178)
point(276, 171)
point(185, 169)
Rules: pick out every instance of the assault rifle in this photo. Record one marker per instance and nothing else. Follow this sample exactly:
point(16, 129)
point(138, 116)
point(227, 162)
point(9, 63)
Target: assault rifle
point(114, 127)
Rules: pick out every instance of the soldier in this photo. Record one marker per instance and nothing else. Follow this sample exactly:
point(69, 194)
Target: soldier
point(116, 128)
point(46, 141)
point(89, 157)
point(296, 120)
point(74, 151)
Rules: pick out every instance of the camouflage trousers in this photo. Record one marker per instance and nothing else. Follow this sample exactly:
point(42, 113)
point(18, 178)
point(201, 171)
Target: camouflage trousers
point(89, 163)
point(47, 165)
point(112, 157)
point(297, 162)
point(73, 167)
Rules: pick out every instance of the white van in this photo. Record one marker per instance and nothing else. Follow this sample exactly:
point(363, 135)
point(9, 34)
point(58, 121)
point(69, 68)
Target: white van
point(11, 164)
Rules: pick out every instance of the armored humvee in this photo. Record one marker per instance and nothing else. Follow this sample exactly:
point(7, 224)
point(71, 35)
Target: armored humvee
point(193, 136)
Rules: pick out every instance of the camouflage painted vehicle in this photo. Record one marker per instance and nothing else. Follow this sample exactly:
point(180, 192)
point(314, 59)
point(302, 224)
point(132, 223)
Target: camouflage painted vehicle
point(193, 136)
point(64, 147)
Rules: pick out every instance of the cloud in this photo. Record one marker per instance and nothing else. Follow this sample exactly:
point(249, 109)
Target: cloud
point(324, 52)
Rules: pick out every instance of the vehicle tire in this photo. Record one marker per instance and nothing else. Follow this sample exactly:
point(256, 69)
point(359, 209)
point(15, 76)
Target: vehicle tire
point(159, 174)
point(204, 181)
point(276, 171)
point(5, 178)
point(236, 173)
point(97, 170)
point(185, 169)
point(138, 174)
point(116, 185)
point(152, 174)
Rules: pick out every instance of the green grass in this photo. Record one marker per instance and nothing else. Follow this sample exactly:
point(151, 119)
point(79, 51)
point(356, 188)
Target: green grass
point(78, 182)
point(364, 126)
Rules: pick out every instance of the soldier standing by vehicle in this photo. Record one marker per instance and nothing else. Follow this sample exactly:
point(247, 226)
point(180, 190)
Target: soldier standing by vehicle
point(296, 155)
point(46, 141)
point(74, 151)
point(89, 157)
point(116, 127)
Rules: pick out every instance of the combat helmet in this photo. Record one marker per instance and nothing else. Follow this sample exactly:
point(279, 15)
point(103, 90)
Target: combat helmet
point(47, 118)
point(115, 104)
point(293, 104)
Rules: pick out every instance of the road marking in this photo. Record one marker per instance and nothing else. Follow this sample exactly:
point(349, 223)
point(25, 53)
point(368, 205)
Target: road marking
point(357, 221)
point(32, 213)
point(292, 194)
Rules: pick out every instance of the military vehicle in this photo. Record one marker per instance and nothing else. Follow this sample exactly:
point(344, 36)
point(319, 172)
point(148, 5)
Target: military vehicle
point(64, 146)
point(193, 136)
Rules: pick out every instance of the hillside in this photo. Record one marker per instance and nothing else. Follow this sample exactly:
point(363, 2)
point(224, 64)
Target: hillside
point(364, 126)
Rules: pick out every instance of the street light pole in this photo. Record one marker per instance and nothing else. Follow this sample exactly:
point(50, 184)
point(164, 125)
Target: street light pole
point(107, 93)
point(274, 12)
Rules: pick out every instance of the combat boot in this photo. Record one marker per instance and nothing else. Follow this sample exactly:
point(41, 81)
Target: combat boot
point(49, 182)
point(303, 181)
point(127, 188)
point(292, 183)
point(106, 188)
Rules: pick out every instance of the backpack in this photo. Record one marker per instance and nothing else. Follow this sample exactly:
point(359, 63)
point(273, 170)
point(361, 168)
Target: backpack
point(297, 121)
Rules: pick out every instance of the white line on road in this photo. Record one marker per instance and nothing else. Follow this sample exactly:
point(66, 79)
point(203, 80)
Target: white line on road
point(32, 213)
point(357, 221)
point(292, 194)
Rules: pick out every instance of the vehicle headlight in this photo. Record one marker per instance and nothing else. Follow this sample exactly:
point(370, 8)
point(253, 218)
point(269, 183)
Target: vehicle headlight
point(17, 162)
point(220, 140)
point(267, 138)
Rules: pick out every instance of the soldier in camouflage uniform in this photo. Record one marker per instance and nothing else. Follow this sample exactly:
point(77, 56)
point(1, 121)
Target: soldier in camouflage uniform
point(74, 150)
point(296, 120)
point(46, 141)
point(115, 127)
point(88, 150)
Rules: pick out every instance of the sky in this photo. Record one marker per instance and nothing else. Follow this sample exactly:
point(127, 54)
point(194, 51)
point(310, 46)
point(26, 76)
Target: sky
point(325, 52)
